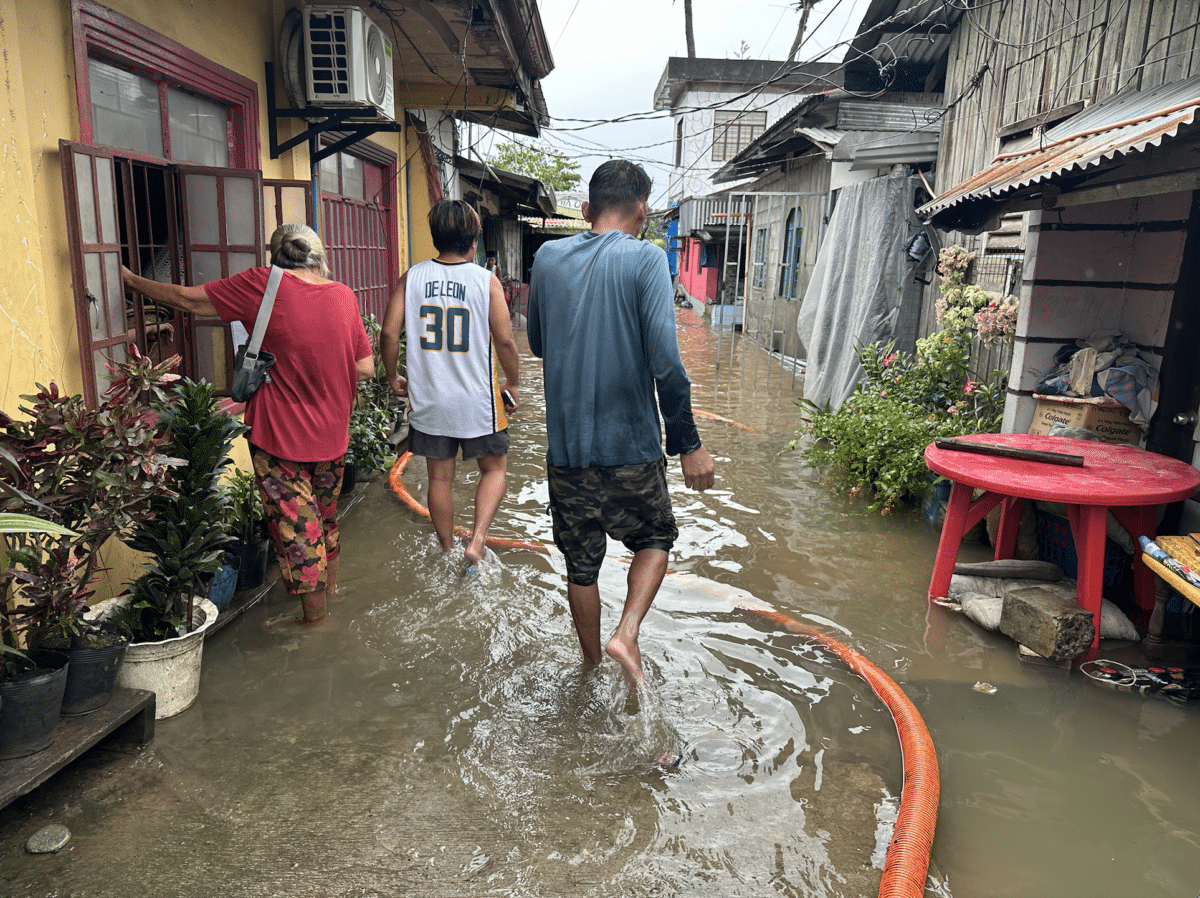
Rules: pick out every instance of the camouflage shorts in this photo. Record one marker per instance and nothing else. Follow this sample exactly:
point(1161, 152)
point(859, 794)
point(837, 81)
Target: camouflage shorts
point(630, 503)
point(300, 505)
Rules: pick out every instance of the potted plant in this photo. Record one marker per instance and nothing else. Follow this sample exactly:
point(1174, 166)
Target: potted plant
point(186, 541)
point(377, 414)
point(368, 451)
point(92, 472)
point(248, 528)
point(31, 693)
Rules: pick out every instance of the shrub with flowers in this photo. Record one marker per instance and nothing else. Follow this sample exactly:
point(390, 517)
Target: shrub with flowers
point(997, 320)
point(875, 442)
point(963, 306)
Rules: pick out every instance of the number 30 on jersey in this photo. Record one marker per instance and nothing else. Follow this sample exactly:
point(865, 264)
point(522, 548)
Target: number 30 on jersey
point(446, 329)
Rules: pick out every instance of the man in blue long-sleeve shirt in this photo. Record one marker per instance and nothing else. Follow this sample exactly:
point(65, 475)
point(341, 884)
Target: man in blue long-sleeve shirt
point(602, 319)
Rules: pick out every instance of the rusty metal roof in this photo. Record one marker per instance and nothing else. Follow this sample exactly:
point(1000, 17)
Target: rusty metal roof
point(1120, 125)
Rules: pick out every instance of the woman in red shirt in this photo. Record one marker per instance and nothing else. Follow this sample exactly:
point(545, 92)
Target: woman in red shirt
point(300, 420)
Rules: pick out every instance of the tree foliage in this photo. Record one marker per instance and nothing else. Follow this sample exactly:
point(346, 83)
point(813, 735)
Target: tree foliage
point(552, 168)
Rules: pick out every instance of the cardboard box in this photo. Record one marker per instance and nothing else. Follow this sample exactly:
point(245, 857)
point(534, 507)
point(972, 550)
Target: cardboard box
point(1103, 416)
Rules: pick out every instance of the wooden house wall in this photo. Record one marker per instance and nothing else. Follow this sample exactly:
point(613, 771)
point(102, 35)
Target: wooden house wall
point(1013, 60)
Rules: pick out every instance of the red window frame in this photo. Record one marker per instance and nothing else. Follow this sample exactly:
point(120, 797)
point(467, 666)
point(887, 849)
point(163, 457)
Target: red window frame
point(100, 32)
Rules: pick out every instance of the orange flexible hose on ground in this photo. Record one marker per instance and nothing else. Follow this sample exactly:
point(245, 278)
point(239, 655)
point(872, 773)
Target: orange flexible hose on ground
point(402, 492)
point(907, 864)
point(699, 414)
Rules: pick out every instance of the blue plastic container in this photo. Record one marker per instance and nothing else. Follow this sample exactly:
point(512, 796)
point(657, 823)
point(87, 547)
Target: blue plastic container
point(224, 582)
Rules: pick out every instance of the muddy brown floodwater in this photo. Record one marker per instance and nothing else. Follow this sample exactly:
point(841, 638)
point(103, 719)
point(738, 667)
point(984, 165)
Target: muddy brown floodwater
point(445, 741)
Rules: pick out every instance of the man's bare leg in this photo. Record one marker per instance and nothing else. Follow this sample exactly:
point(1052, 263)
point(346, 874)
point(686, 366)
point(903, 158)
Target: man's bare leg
point(585, 612)
point(646, 573)
point(441, 499)
point(488, 494)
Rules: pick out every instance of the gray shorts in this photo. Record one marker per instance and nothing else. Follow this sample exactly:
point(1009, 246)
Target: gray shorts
point(439, 448)
point(630, 503)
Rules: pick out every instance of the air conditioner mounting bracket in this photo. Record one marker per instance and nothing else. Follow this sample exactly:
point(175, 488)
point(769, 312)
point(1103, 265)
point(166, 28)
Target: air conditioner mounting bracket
point(321, 120)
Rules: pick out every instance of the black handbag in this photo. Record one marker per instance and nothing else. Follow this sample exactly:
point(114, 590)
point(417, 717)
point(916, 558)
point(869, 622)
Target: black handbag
point(251, 364)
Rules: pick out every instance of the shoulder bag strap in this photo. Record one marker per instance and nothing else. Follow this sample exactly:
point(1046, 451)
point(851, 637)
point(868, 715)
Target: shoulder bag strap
point(264, 316)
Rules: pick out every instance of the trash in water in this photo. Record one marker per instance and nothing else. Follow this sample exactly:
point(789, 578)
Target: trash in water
point(985, 688)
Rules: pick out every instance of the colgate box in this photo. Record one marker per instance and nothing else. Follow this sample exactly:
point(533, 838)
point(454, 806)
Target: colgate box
point(1101, 415)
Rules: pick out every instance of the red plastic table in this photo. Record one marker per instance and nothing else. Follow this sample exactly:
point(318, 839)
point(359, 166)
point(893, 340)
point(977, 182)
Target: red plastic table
point(1124, 480)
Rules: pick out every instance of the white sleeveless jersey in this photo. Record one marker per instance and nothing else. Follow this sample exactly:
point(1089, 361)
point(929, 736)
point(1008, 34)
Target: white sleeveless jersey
point(452, 385)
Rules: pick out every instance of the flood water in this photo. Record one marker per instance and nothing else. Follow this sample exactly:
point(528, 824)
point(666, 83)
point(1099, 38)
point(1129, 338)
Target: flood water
point(446, 741)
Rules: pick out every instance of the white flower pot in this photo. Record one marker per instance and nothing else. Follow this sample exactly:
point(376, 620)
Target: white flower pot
point(170, 668)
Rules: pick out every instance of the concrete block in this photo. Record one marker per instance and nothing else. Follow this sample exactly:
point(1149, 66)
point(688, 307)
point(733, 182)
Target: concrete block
point(1054, 627)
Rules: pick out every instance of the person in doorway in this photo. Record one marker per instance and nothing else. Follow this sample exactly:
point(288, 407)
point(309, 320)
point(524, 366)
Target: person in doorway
point(458, 326)
point(300, 420)
point(494, 267)
point(602, 319)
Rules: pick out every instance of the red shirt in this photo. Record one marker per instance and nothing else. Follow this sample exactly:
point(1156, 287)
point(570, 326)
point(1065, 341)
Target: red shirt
point(316, 335)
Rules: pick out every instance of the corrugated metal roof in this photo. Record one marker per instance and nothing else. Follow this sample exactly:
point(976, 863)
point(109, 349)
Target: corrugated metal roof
point(880, 149)
point(825, 137)
point(1116, 126)
point(884, 116)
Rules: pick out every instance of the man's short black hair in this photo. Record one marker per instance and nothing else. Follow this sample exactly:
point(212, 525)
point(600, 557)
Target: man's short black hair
point(454, 225)
point(616, 186)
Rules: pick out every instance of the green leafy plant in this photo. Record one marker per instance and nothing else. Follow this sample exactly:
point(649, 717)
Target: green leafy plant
point(95, 472)
point(244, 513)
point(12, 659)
point(875, 441)
point(186, 537)
point(376, 410)
point(370, 426)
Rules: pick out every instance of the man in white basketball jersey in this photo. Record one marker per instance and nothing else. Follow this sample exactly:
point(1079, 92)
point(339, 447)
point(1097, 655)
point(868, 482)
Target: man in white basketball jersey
point(458, 327)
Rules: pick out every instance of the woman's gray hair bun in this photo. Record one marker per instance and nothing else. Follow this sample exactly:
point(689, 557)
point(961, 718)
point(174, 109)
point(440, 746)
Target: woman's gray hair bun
point(298, 246)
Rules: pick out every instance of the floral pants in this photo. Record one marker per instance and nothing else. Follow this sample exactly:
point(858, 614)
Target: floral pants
point(300, 505)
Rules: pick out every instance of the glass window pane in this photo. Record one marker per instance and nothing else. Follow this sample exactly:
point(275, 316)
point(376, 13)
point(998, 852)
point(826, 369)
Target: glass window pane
point(239, 262)
point(86, 198)
point(117, 354)
point(95, 292)
point(203, 224)
point(329, 174)
point(105, 185)
point(352, 177)
point(125, 109)
point(205, 267)
point(239, 211)
point(198, 129)
point(115, 293)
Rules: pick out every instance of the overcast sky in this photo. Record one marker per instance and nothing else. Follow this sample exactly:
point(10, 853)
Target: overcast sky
point(609, 55)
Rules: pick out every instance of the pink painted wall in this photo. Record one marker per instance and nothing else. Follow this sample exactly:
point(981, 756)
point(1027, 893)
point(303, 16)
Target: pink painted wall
point(700, 283)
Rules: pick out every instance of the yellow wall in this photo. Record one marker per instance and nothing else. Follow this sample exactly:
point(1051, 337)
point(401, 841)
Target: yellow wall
point(38, 341)
point(38, 334)
point(421, 241)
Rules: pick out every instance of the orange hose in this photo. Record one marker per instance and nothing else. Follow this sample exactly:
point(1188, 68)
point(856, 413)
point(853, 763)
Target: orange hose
point(402, 492)
point(907, 864)
point(700, 414)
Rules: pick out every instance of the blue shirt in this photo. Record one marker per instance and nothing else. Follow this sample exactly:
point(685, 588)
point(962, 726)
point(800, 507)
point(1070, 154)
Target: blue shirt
point(602, 319)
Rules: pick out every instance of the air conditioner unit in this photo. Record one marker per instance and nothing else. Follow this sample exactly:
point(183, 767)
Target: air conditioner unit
point(349, 60)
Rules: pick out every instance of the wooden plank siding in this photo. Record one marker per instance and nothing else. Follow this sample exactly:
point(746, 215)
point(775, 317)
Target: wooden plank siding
point(1041, 57)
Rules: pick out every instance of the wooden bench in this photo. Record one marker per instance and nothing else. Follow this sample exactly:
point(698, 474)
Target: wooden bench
point(128, 717)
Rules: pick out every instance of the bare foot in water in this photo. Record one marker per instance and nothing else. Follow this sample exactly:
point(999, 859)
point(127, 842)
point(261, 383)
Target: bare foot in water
point(629, 656)
point(474, 553)
point(321, 623)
